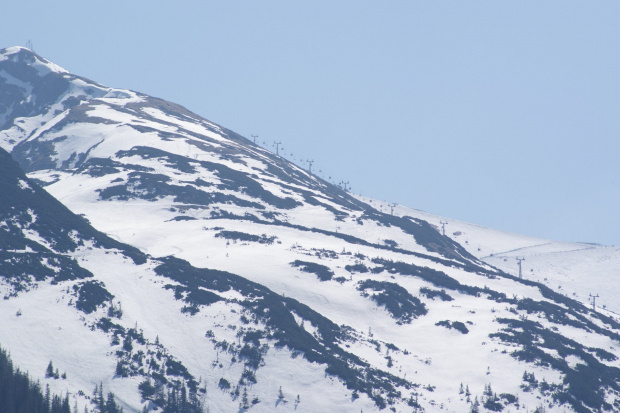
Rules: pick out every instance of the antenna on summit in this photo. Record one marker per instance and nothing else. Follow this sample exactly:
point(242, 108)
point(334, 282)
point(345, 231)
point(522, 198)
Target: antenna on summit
point(443, 227)
point(520, 259)
point(29, 45)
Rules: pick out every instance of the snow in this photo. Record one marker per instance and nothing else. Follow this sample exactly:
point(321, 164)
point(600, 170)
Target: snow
point(24, 185)
point(573, 269)
point(42, 333)
point(46, 127)
point(9, 51)
point(182, 124)
point(121, 97)
point(43, 66)
point(437, 358)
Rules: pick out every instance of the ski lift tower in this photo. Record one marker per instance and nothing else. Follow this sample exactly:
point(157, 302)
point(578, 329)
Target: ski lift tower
point(392, 208)
point(594, 297)
point(443, 227)
point(520, 260)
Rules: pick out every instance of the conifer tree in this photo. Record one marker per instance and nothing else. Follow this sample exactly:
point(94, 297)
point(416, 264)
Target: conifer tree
point(183, 396)
point(111, 406)
point(49, 372)
point(47, 396)
point(65, 405)
point(475, 407)
point(245, 403)
point(100, 402)
point(127, 346)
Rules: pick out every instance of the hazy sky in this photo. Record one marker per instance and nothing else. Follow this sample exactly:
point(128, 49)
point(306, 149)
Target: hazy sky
point(504, 114)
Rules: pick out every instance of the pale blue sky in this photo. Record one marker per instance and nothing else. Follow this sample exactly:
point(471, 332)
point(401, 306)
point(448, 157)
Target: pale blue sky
point(505, 114)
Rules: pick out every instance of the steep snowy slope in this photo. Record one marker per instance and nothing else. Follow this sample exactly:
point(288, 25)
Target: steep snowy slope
point(103, 312)
point(574, 269)
point(272, 277)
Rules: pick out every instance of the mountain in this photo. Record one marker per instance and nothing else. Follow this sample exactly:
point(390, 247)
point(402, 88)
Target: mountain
point(180, 265)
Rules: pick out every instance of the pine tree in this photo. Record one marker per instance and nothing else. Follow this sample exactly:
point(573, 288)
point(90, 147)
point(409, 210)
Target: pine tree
point(99, 401)
point(461, 391)
point(47, 396)
point(487, 390)
point(65, 405)
point(280, 394)
point(147, 389)
point(56, 406)
point(120, 371)
point(127, 343)
point(245, 403)
point(110, 405)
point(475, 407)
point(49, 372)
point(183, 396)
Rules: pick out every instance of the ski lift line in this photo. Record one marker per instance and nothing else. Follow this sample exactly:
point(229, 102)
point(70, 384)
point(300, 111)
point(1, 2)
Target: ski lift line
point(293, 160)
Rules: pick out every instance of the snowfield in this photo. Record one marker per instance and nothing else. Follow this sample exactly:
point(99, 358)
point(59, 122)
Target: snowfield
point(574, 269)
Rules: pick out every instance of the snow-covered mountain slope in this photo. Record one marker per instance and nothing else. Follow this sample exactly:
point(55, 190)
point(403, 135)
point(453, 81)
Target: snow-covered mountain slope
point(246, 270)
point(103, 312)
point(578, 270)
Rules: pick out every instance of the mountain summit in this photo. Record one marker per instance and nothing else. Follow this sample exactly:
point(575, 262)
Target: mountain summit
point(193, 270)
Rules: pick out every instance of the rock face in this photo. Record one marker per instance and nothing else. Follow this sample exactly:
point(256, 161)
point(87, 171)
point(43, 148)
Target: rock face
point(181, 266)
